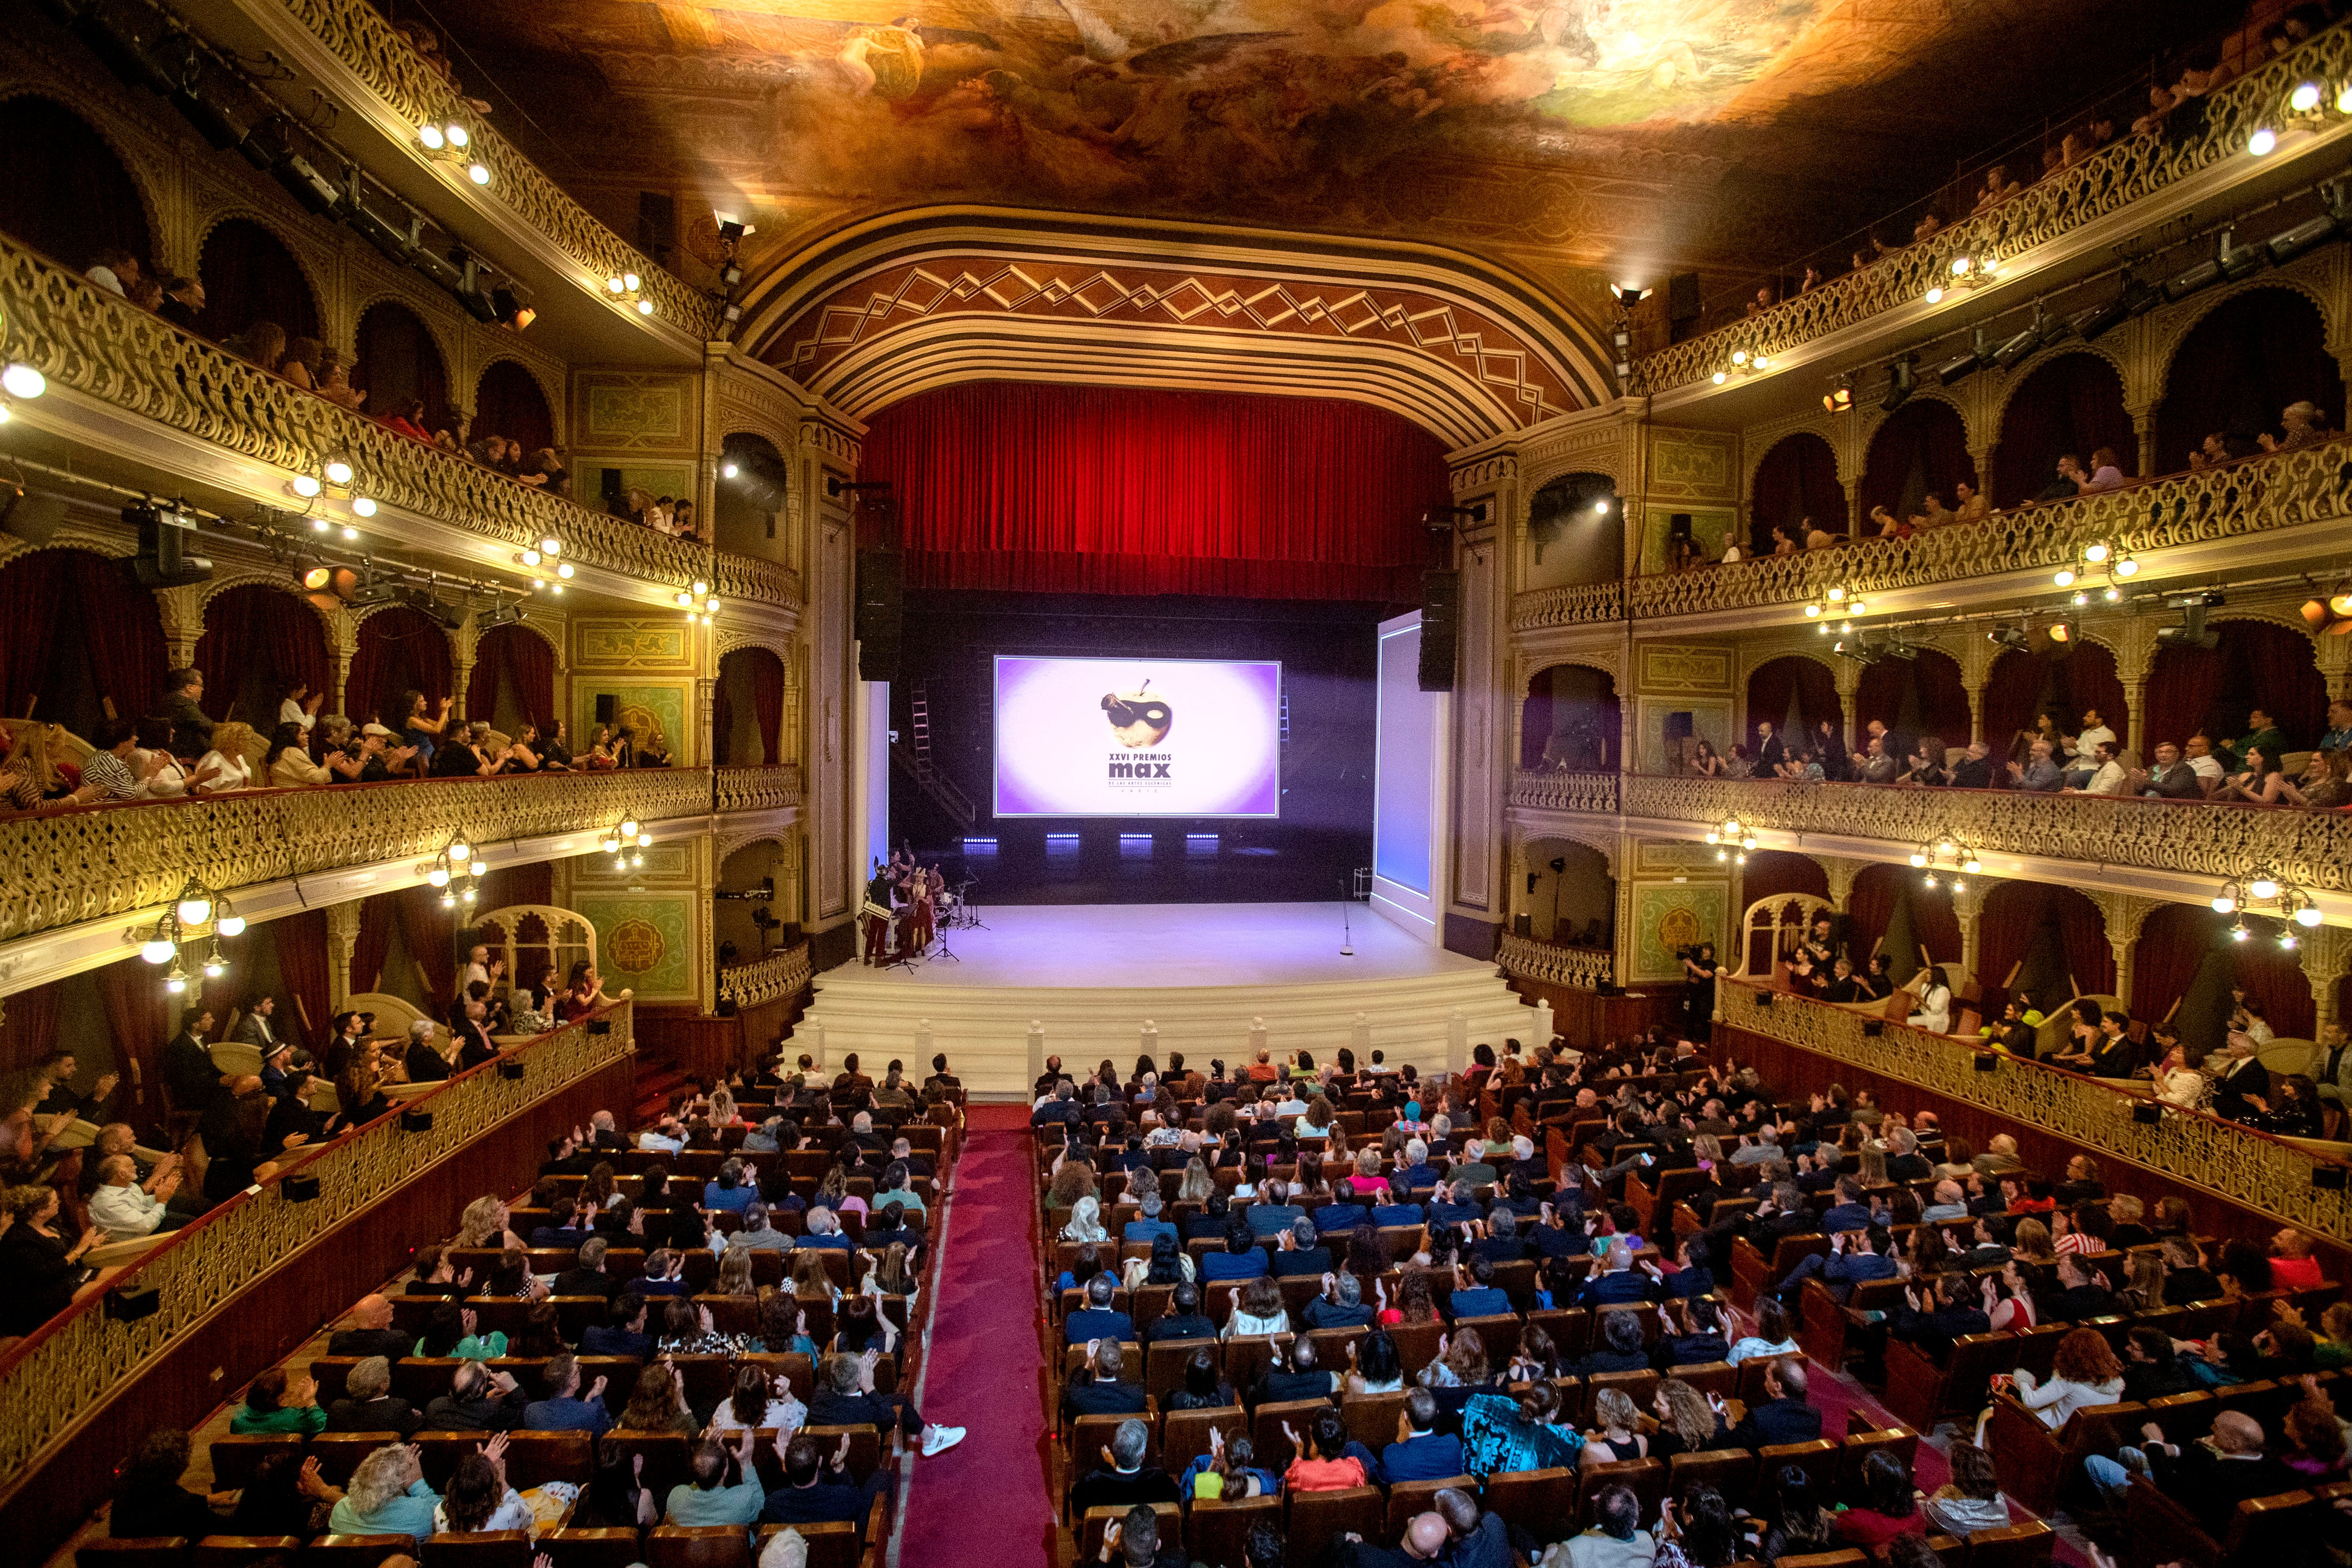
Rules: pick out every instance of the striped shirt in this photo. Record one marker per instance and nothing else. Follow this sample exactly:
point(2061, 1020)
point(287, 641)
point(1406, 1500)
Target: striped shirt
point(111, 777)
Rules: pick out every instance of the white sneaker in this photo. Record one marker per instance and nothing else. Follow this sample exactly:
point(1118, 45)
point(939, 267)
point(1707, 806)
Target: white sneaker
point(940, 1439)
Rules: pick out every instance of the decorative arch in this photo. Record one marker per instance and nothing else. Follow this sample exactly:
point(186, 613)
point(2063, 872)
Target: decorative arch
point(2233, 367)
point(1578, 515)
point(1570, 719)
point(540, 935)
point(1799, 681)
point(510, 400)
point(1888, 910)
point(1796, 478)
point(75, 631)
point(259, 641)
point(2023, 684)
point(747, 721)
point(2043, 943)
point(513, 677)
point(1915, 697)
point(743, 509)
point(1567, 904)
point(1770, 929)
point(398, 649)
point(931, 297)
point(253, 272)
point(68, 188)
point(1921, 447)
point(2262, 661)
point(2073, 402)
point(399, 355)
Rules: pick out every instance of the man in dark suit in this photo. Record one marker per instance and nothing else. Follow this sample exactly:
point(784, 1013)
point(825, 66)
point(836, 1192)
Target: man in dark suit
point(189, 1071)
point(1061, 1111)
point(259, 1026)
point(1420, 1452)
point(1183, 1319)
point(1617, 1282)
point(1297, 1254)
point(369, 1404)
point(1098, 1319)
point(815, 1492)
point(2082, 1293)
point(478, 1400)
point(587, 1277)
point(1782, 1417)
point(2243, 1079)
point(1100, 1392)
point(2209, 1478)
point(367, 1331)
point(472, 1029)
point(1124, 1479)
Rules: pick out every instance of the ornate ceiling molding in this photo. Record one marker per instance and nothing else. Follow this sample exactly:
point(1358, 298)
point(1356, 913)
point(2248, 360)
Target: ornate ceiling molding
point(940, 295)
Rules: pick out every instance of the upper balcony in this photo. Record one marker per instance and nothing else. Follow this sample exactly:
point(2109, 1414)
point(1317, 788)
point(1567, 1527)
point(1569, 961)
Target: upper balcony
point(190, 418)
point(2058, 229)
point(2254, 513)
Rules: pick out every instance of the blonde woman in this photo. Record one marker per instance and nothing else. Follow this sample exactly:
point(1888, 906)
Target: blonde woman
point(225, 767)
point(1616, 1432)
point(810, 1278)
point(1198, 1185)
point(1086, 1221)
point(485, 1225)
point(834, 1193)
point(735, 1274)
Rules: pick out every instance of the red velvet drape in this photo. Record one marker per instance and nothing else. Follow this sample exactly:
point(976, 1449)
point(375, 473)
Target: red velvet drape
point(2256, 663)
point(61, 605)
point(768, 702)
point(63, 190)
point(1120, 490)
point(530, 883)
point(2013, 917)
point(400, 650)
point(2172, 945)
point(260, 628)
point(518, 654)
point(29, 1031)
point(303, 964)
point(1770, 687)
point(508, 402)
point(398, 360)
point(1774, 873)
point(2251, 355)
point(141, 1016)
point(1915, 697)
point(2021, 685)
point(248, 276)
point(426, 929)
point(1868, 905)
point(2269, 973)
point(373, 942)
point(1921, 447)
point(1797, 480)
point(2071, 403)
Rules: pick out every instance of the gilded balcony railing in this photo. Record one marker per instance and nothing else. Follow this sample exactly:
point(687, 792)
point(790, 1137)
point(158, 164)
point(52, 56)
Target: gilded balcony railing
point(93, 341)
point(1571, 606)
point(1546, 791)
point(358, 34)
point(2193, 1146)
point(769, 789)
point(2309, 849)
point(2106, 182)
point(767, 979)
point(1586, 968)
point(87, 864)
point(70, 1366)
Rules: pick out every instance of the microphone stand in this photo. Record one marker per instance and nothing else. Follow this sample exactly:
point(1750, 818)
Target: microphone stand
point(1347, 932)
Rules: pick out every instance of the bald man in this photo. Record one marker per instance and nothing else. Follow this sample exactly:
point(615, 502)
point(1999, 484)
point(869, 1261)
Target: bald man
point(366, 1329)
point(1426, 1539)
point(1481, 1539)
point(2210, 1480)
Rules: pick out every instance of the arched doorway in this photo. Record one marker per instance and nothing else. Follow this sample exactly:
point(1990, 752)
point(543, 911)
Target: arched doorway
point(1575, 519)
point(2042, 944)
point(1571, 899)
point(2025, 683)
point(398, 362)
point(508, 402)
point(512, 680)
point(2250, 357)
point(745, 503)
point(249, 275)
point(1793, 694)
point(62, 190)
point(1892, 911)
point(400, 650)
point(1568, 720)
point(2071, 403)
point(260, 642)
point(1922, 447)
point(2255, 664)
point(1914, 697)
point(1797, 480)
point(757, 925)
point(747, 710)
point(75, 633)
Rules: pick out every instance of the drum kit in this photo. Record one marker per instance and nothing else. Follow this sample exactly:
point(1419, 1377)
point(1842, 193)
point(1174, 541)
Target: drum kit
point(909, 936)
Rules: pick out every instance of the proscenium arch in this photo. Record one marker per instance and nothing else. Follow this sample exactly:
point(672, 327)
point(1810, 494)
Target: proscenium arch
point(932, 296)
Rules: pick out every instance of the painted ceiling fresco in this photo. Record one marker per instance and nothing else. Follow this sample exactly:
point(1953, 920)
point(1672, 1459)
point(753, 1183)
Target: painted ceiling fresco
point(1584, 126)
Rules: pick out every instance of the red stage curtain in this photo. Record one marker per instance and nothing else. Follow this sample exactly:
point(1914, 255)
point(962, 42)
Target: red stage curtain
point(1798, 479)
point(2269, 973)
point(29, 1033)
point(522, 655)
point(426, 928)
point(141, 1016)
point(400, 650)
point(1915, 697)
point(62, 190)
point(509, 885)
point(2071, 403)
point(1121, 490)
point(373, 942)
point(73, 622)
point(2172, 945)
point(1921, 447)
point(259, 640)
point(1868, 906)
point(249, 276)
point(508, 403)
point(768, 702)
point(722, 722)
point(1775, 874)
point(2213, 689)
point(2251, 355)
point(2022, 686)
point(1933, 924)
point(1770, 687)
point(302, 964)
point(398, 360)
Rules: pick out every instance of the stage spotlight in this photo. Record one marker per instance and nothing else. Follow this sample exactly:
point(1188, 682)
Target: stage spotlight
point(2192, 631)
point(1628, 295)
point(1899, 649)
point(2228, 262)
point(307, 185)
point(2023, 343)
point(2065, 634)
point(1839, 399)
point(398, 244)
point(1854, 648)
point(162, 561)
point(473, 293)
point(1961, 366)
point(2312, 233)
point(731, 227)
point(1899, 385)
point(2329, 614)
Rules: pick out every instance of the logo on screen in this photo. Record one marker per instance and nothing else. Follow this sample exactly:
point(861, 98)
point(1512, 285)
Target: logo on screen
point(1138, 718)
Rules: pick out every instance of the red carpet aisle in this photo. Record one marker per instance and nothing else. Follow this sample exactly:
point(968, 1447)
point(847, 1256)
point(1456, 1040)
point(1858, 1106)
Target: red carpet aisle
point(982, 1370)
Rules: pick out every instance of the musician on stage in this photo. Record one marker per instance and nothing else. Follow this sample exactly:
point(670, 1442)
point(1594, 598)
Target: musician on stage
point(921, 914)
point(877, 914)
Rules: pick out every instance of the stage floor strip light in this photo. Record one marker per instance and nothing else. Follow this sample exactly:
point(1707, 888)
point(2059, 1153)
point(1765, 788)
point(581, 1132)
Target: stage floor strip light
point(979, 846)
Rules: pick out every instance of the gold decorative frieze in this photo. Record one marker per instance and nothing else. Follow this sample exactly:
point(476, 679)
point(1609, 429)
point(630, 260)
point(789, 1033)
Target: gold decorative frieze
point(773, 788)
point(1564, 791)
point(768, 979)
point(1576, 604)
point(1521, 957)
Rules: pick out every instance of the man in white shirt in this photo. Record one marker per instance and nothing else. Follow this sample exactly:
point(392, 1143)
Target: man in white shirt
point(477, 967)
point(2203, 763)
point(2094, 730)
point(665, 1136)
point(2107, 775)
point(126, 1210)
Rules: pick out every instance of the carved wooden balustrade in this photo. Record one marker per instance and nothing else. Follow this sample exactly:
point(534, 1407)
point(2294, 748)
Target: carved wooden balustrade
point(1547, 791)
point(771, 789)
point(2107, 183)
point(69, 1366)
point(2195, 1146)
point(2309, 849)
point(92, 862)
point(93, 341)
point(1573, 605)
point(358, 34)
point(768, 979)
point(1586, 968)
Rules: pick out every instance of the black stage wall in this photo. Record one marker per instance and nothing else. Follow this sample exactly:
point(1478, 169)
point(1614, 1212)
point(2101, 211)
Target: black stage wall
point(1327, 652)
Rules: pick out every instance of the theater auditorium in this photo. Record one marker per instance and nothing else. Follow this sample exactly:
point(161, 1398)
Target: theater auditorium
point(1221, 786)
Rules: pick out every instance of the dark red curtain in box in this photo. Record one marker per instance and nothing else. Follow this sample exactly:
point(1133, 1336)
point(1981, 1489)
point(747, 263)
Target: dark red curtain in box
point(258, 642)
point(1775, 874)
point(141, 1016)
point(62, 190)
point(1915, 697)
point(302, 964)
point(516, 654)
point(2174, 943)
point(398, 360)
point(1771, 687)
point(2018, 918)
point(1869, 904)
point(1797, 480)
point(530, 883)
point(373, 942)
point(1079, 489)
point(76, 631)
point(2250, 357)
point(428, 931)
point(2255, 664)
point(508, 402)
point(2071, 403)
point(722, 723)
point(29, 1031)
point(2024, 685)
point(248, 276)
point(400, 650)
point(2269, 975)
point(1921, 447)
point(768, 702)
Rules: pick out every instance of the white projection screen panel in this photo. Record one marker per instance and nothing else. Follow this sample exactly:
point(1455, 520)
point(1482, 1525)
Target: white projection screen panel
point(1137, 737)
point(1408, 785)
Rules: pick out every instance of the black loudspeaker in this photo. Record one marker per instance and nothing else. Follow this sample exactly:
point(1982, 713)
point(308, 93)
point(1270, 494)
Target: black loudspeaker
point(1441, 594)
point(608, 708)
point(416, 1121)
point(1523, 925)
point(298, 1188)
point(881, 612)
point(132, 1303)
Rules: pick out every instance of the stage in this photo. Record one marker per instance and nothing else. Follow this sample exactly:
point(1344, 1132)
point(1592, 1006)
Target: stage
point(1089, 982)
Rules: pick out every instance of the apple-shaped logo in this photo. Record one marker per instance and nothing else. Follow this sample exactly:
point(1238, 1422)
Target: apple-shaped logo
point(1138, 718)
